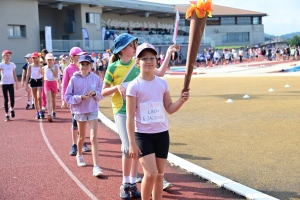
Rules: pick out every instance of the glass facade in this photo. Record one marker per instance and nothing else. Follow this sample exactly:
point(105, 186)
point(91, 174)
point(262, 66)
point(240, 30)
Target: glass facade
point(227, 20)
point(236, 37)
point(243, 20)
point(255, 20)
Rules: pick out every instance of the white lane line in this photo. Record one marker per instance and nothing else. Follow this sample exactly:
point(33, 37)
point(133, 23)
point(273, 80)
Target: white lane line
point(62, 164)
point(15, 100)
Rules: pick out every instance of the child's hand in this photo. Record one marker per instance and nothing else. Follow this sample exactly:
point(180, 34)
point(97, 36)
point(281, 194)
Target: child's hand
point(134, 151)
point(185, 95)
point(122, 91)
point(173, 48)
point(84, 97)
point(90, 93)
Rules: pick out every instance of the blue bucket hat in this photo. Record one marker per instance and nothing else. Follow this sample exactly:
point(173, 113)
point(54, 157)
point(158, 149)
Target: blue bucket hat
point(122, 41)
point(86, 58)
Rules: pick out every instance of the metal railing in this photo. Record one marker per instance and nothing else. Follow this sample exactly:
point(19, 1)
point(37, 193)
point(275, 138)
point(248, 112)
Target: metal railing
point(102, 45)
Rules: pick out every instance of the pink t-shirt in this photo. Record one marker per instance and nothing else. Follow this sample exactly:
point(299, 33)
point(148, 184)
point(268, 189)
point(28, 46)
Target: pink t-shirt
point(150, 116)
point(7, 73)
point(68, 73)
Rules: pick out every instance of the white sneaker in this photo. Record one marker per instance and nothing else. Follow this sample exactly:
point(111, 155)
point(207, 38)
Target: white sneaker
point(80, 161)
point(97, 171)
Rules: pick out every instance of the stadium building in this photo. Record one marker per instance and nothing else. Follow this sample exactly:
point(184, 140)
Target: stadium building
point(32, 25)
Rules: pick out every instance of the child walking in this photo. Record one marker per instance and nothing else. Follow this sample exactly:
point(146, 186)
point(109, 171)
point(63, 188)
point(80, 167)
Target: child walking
point(147, 123)
point(83, 93)
point(35, 77)
point(68, 72)
point(50, 72)
point(8, 80)
point(120, 72)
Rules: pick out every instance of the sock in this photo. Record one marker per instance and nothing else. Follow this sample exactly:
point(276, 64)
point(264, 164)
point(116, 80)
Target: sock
point(28, 101)
point(32, 101)
point(11, 109)
point(132, 180)
point(7, 115)
point(126, 179)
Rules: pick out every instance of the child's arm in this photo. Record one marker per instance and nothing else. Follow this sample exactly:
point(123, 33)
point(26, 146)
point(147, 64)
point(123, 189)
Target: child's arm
point(70, 98)
point(163, 68)
point(16, 79)
point(173, 107)
point(27, 77)
point(130, 112)
point(23, 77)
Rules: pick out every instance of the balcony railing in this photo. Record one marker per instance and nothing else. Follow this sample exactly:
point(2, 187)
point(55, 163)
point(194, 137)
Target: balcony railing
point(99, 45)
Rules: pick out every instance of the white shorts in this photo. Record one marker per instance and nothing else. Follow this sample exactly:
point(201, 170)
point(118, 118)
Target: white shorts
point(86, 116)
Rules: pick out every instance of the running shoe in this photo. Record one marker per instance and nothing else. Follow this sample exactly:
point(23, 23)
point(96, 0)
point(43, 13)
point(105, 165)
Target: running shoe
point(134, 191)
point(32, 106)
point(73, 150)
point(97, 171)
point(50, 118)
point(85, 148)
point(6, 118)
point(138, 178)
point(80, 161)
point(12, 113)
point(54, 115)
point(27, 107)
point(125, 191)
point(42, 114)
point(37, 116)
point(166, 185)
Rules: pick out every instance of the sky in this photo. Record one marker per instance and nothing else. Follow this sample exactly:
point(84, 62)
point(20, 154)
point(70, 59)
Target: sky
point(283, 16)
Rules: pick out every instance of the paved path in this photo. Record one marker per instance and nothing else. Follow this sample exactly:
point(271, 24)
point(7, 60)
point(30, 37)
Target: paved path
point(35, 163)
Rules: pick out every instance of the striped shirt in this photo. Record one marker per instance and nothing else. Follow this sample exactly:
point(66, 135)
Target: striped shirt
point(115, 74)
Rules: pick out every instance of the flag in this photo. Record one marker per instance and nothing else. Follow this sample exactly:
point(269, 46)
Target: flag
point(176, 27)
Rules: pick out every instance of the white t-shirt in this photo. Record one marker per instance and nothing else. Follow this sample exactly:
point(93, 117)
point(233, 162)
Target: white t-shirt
point(150, 116)
point(48, 74)
point(7, 73)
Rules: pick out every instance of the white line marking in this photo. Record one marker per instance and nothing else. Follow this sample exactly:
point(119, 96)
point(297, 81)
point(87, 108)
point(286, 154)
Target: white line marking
point(62, 164)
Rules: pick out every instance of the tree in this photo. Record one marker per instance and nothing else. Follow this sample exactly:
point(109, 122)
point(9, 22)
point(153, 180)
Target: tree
point(295, 41)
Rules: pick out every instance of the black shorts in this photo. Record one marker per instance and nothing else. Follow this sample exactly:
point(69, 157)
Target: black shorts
point(157, 143)
point(74, 123)
point(101, 68)
point(36, 83)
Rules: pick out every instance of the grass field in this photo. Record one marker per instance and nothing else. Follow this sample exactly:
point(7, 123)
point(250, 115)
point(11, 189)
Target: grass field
point(252, 141)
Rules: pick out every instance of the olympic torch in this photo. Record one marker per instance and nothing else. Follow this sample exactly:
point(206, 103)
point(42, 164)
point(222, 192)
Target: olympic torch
point(198, 12)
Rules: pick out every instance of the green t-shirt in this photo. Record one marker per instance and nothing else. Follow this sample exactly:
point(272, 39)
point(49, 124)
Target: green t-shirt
point(115, 75)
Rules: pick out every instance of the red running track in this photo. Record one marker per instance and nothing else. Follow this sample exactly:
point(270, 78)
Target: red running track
point(35, 162)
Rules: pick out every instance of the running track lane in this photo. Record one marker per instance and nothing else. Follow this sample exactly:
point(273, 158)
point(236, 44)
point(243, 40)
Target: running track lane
point(35, 162)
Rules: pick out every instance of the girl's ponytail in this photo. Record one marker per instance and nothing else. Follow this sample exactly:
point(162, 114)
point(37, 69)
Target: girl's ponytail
point(113, 58)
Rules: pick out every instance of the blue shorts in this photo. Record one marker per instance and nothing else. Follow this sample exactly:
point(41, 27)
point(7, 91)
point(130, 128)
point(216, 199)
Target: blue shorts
point(86, 116)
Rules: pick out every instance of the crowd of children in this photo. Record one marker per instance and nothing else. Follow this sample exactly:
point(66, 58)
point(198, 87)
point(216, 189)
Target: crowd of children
point(83, 81)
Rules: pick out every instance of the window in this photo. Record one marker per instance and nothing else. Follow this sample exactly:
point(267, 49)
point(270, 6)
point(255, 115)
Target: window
point(228, 21)
point(236, 37)
point(213, 21)
point(255, 20)
point(92, 18)
point(244, 20)
point(16, 31)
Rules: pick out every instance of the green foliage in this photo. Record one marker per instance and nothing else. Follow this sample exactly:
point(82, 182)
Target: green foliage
point(295, 41)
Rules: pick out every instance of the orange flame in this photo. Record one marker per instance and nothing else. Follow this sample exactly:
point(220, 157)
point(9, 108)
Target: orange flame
point(201, 8)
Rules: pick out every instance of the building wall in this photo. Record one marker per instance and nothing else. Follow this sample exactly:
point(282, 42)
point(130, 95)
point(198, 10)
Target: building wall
point(94, 30)
point(20, 12)
point(256, 33)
